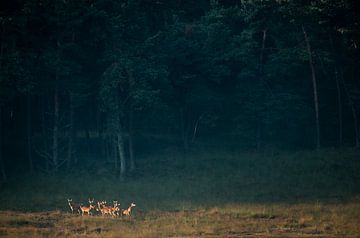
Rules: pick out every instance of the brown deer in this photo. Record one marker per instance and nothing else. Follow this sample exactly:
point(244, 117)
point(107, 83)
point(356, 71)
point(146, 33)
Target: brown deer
point(85, 209)
point(104, 209)
point(116, 208)
point(127, 212)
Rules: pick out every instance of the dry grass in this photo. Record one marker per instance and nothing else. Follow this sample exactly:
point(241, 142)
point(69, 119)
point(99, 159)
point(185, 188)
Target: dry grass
point(240, 220)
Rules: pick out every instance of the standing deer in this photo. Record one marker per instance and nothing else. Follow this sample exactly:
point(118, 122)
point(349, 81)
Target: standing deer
point(87, 210)
point(73, 206)
point(116, 209)
point(104, 209)
point(127, 212)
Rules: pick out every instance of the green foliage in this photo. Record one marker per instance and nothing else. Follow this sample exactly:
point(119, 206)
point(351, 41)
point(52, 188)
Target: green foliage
point(237, 70)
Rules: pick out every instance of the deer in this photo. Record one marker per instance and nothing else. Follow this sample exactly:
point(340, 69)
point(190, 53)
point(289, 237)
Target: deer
point(73, 206)
point(127, 212)
point(112, 211)
point(116, 208)
point(104, 209)
point(87, 210)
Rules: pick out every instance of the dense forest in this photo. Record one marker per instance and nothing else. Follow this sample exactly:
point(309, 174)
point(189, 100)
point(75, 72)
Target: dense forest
point(108, 81)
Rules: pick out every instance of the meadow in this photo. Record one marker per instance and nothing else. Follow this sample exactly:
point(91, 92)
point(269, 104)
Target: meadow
point(198, 194)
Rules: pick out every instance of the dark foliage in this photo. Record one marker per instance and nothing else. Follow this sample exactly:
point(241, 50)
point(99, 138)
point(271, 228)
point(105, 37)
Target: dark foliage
point(100, 81)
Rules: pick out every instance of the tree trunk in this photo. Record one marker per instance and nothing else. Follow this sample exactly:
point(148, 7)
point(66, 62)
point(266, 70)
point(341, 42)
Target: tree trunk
point(339, 102)
point(45, 143)
point(259, 124)
point(131, 120)
point(261, 65)
point(120, 136)
point(196, 126)
point(353, 111)
point(184, 129)
point(115, 153)
point(315, 91)
point(131, 137)
point(338, 90)
point(108, 147)
point(55, 147)
point(56, 120)
point(41, 105)
point(2, 165)
point(120, 142)
point(104, 147)
point(28, 129)
point(70, 151)
point(356, 123)
point(88, 140)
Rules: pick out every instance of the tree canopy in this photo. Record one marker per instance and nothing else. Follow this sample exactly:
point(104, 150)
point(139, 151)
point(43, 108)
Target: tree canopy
point(115, 78)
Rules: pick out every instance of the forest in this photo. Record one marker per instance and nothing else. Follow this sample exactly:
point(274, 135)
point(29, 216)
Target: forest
point(114, 78)
point(246, 101)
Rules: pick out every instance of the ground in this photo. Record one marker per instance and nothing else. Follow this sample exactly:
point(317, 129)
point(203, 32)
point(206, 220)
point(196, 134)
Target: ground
point(201, 194)
point(237, 220)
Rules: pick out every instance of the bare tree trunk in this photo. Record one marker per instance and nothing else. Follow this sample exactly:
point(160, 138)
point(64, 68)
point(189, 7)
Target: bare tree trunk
point(261, 67)
point(115, 152)
point(70, 151)
point(339, 101)
point(353, 111)
point(196, 126)
point(55, 147)
point(315, 91)
point(120, 142)
point(28, 128)
point(356, 123)
point(104, 148)
point(107, 145)
point(259, 124)
point(131, 120)
point(184, 128)
point(88, 140)
point(120, 136)
point(131, 137)
point(338, 90)
point(2, 165)
point(56, 119)
point(44, 130)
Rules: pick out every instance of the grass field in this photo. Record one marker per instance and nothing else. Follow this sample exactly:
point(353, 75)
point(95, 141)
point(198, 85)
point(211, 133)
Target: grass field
point(200, 194)
point(240, 220)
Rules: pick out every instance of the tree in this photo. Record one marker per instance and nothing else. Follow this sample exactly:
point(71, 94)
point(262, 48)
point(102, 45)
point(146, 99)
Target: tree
point(126, 84)
point(59, 68)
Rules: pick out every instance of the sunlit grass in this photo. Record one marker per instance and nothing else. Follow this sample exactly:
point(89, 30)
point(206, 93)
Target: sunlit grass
point(237, 220)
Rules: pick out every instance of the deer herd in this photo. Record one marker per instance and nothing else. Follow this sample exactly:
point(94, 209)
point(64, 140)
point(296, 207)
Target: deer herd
point(100, 207)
